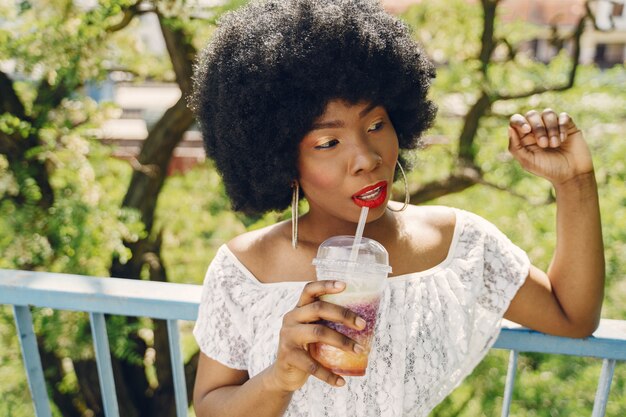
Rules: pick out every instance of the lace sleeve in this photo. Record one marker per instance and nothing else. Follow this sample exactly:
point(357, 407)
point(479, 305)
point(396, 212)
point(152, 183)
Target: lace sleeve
point(219, 329)
point(506, 267)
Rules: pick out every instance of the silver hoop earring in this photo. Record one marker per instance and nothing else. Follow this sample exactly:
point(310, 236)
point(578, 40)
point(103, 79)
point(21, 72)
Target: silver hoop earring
point(295, 198)
point(407, 197)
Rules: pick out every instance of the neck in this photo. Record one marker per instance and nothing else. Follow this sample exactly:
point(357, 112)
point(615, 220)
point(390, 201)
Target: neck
point(315, 229)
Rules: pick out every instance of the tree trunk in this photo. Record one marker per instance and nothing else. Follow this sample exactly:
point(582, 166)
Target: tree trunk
point(53, 371)
point(142, 194)
point(467, 151)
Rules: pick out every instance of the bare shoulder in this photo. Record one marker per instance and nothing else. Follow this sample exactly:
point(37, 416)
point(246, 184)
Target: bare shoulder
point(267, 253)
point(427, 233)
point(250, 245)
point(436, 218)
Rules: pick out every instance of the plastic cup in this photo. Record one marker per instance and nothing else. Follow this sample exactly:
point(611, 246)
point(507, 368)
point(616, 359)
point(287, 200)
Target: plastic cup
point(365, 280)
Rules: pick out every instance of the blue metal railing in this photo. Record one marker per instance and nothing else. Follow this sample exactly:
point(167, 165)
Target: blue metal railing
point(173, 302)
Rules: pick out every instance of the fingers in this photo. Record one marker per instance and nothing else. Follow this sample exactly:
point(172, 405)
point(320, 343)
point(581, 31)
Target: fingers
point(545, 129)
point(551, 124)
point(320, 333)
point(520, 126)
point(313, 290)
point(321, 310)
point(301, 326)
point(564, 121)
point(304, 361)
point(567, 126)
point(538, 128)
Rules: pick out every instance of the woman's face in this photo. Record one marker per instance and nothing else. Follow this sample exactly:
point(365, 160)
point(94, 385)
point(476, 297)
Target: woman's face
point(347, 161)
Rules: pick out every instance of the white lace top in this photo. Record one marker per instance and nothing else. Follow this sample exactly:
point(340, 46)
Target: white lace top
point(433, 327)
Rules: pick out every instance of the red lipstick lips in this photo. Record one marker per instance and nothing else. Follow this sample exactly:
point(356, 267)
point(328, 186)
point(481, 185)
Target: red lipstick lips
point(372, 195)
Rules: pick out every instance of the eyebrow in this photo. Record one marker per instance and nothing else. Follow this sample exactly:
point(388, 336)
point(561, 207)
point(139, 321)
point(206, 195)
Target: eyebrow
point(338, 123)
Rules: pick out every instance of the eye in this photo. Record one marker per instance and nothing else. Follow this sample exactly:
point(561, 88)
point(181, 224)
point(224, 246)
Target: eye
point(375, 126)
point(327, 145)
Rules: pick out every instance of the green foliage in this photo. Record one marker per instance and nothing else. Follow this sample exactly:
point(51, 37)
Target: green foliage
point(194, 214)
point(14, 395)
point(85, 226)
point(54, 48)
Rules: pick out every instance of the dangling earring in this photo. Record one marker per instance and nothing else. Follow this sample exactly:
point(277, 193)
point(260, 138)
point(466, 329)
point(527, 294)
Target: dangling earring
point(295, 198)
point(406, 190)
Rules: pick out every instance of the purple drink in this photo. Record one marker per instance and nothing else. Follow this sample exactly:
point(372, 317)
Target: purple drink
point(365, 280)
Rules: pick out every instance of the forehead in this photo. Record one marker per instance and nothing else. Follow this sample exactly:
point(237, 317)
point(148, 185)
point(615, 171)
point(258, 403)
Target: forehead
point(339, 108)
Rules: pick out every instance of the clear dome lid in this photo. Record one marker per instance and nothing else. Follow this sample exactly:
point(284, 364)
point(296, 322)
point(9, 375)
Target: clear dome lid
point(335, 251)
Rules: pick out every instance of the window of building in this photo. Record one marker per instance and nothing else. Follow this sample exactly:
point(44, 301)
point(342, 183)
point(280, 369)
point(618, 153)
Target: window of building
point(609, 54)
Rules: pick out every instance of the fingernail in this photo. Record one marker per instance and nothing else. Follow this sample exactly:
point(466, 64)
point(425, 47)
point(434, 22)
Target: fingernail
point(341, 382)
point(359, 349)
point(339, 284)
point(543, 142)
point(526, 128)
point(563, 136)
point(360, 323)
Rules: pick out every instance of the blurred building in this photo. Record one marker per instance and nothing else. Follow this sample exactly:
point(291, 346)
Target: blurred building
point(603, 42)
point(142, 106)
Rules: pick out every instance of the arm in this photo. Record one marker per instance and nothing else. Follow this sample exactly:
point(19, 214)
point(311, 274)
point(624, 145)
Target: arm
point(222, 391)
point(568, 298)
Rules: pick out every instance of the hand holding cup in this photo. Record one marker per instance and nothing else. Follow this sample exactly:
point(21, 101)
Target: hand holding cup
point(301, 328)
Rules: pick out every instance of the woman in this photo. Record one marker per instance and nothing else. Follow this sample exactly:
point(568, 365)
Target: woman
point(317, 99)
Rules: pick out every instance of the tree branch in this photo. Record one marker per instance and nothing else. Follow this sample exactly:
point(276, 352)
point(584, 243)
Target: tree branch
point(483, 104)
point(592, 17)
point(576, 37)
point(50, 96)
point(470, 128)
point(487, 40)
point(9, 101)
point(8, 145)
point(145, 185)
point(453, 184)
point(129, 14)
point(533, 202)
point(53, 369)
point(512, 51)
point(460, 181)
point(182, 54)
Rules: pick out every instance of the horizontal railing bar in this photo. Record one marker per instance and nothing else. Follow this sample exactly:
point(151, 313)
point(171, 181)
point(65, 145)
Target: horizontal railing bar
point(127, 297)
point(608, 341)
point(172, 301)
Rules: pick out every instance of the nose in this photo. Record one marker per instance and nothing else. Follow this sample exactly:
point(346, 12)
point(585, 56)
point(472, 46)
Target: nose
point(365, 158)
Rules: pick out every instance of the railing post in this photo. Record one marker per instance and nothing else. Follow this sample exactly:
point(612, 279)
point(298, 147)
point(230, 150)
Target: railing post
point(32, 360)
point(510, 382)
point(103, 361)
point(178, 369)
point(604, 386)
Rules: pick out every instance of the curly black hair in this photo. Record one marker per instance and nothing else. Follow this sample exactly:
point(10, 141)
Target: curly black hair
point(272, 67)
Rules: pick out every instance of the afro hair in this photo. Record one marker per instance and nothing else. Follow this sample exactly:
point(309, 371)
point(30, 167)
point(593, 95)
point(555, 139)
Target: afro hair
point(272, 67)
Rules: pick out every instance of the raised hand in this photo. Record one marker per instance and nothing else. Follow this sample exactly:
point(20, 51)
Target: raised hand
point(294, 364)
point(549, 146)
